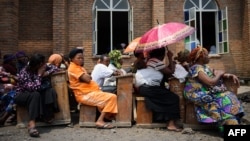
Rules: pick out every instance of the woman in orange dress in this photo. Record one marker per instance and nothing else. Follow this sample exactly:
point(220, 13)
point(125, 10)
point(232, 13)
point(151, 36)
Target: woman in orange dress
point(88, 92)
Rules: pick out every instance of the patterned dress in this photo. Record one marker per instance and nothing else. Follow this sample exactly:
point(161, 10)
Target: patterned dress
point(212, 104)
point(6, 97)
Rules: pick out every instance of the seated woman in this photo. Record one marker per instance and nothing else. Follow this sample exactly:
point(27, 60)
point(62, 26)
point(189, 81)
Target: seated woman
point(59, 60)
point(182, 65)
point(38, 97)
point(88, 92)
point(55, 59)
point(213, 102)
point(7, 92)
point(151, 84)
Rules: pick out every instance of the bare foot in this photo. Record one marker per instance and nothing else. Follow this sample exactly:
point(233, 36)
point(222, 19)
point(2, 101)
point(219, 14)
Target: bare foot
point(100, 123)
point(172, 127)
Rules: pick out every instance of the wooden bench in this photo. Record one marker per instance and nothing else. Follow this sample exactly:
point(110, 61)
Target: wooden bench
point(144, 117)
point(63, 117)
point(124, 85)
point(124, 100)
point(87, 116)
point(187, 112)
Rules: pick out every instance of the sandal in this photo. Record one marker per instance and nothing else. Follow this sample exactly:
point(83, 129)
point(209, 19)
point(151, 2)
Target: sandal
point(12, 119)
point(33, 132)
point(105, 126)
point(174, 129)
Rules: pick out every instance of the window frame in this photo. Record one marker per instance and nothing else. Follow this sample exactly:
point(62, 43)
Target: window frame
point(191, 7)
point(110, 6)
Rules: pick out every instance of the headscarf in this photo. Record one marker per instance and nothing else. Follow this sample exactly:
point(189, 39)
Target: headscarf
point(8, 58)
point(20, 54)
point(55, 59)
point(196, 54)
point(74, 51)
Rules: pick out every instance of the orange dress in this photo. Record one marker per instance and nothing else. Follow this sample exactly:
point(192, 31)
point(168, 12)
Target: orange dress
point(90, 93)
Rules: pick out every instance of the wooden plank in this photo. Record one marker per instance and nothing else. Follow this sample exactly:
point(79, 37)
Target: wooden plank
point(124, 100)
point(200, 126)
point(87, 116)
point(151, 125)
point(59, 83)
point(144, 115)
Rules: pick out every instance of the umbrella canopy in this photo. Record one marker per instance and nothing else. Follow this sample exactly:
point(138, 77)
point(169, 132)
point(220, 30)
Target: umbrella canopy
point(132, 45)
point(163, 35)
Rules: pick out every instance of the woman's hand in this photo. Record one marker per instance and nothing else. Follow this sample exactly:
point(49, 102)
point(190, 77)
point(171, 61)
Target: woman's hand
point(8, 86)
point(234, 77)
point(170, 54)
point(117, 73)
point(85, 78)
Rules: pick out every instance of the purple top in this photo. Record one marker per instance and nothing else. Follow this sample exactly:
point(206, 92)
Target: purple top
point(30, 81)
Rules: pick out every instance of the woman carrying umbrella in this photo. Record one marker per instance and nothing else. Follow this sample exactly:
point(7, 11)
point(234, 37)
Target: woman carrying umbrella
point(150, 83)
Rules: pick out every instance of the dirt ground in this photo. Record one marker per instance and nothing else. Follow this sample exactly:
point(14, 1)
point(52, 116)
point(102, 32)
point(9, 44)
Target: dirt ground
point(75, 133)
point(72, 132)
point(64, 133)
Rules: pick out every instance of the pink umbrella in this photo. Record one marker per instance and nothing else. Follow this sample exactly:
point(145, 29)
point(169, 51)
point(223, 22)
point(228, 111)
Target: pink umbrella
point(163, 35)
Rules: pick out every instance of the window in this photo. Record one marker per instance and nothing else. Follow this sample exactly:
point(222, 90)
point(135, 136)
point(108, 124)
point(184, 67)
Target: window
point(111, 25)
point(211, 26)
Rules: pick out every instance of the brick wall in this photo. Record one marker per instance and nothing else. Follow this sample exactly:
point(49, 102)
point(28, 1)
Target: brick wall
point(143, 18)
point(60, 23)
point(56, 26)
point(158, 12)
point(8, 26)
point(80, 29)
point(232, 62)
point(35, 26)
point(245, 69)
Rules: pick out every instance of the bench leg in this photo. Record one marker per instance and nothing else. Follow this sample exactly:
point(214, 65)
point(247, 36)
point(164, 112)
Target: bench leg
point(87, 116)
point(191, 120)
point(144, 116)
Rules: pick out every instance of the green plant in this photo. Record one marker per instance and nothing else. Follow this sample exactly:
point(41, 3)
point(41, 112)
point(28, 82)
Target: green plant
point(115, 57)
